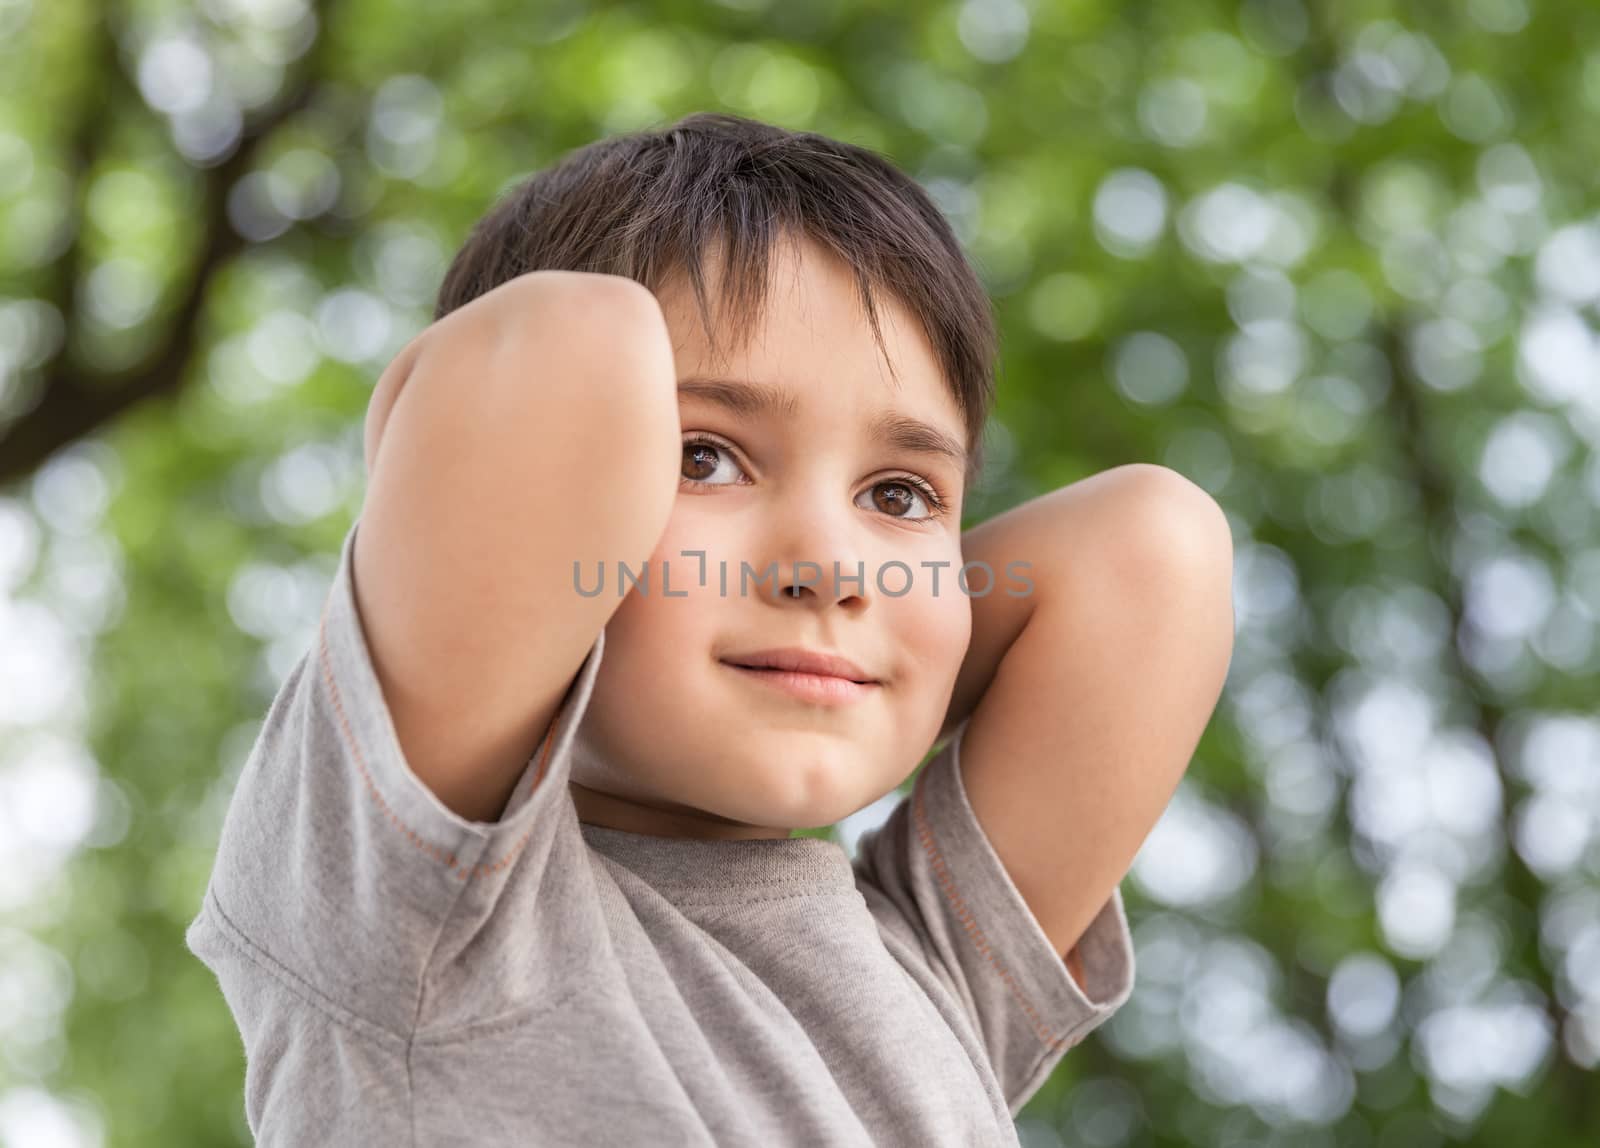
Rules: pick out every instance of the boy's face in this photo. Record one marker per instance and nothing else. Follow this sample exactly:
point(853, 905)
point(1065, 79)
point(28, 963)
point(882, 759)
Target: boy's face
point(677, 742)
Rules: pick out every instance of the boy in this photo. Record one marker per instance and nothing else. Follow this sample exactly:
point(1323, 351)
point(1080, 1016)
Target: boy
point(511, 861)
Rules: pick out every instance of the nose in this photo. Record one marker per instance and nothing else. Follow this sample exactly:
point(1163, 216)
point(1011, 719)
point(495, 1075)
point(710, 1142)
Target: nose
point(815, 560)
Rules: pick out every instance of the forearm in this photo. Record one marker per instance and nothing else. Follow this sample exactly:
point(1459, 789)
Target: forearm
point(1026, 547)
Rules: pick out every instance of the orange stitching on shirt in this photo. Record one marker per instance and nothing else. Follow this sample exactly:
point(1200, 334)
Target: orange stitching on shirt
point(480, 868)
point(925, 834)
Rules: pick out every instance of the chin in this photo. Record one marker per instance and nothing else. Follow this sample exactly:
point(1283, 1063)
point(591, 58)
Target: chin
point(807, 811)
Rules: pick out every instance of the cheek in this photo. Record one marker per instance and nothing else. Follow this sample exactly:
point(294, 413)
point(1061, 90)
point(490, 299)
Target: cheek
point(664, 629)
point(657, 661)
point(657, 629)
point(935, 630)
point(692, 542)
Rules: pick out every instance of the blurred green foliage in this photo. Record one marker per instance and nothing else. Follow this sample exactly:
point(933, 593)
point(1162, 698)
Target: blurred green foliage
point(1338, 263)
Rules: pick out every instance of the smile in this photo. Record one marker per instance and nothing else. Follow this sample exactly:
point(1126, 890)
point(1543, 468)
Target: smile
point(824, 689)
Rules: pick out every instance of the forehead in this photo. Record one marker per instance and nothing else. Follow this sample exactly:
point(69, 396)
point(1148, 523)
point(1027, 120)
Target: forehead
point(812, 343)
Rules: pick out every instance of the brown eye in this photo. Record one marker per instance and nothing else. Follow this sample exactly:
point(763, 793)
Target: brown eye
point(896, 505)
point(699, 461)
point(902, 498)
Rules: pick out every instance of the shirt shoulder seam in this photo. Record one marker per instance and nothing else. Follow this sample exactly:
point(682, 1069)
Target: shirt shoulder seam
point(294, 984)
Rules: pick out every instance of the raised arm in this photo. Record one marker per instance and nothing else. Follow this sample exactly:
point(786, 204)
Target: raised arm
point(533, 427)
point(1085, 698)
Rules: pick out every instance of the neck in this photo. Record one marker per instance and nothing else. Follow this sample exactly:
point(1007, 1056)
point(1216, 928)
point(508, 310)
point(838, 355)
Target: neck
point(609, 811)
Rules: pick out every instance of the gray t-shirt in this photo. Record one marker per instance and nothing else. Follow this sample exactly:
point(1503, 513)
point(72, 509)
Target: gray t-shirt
point(403, 976)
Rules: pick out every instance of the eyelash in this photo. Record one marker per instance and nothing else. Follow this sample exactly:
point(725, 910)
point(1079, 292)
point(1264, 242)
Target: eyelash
point(921, 486)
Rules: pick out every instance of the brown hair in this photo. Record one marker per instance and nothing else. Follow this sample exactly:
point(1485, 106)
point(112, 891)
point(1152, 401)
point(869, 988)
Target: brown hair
point(648, 204)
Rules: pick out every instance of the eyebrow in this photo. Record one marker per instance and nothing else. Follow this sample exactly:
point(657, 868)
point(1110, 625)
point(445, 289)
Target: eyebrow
point(752, 400)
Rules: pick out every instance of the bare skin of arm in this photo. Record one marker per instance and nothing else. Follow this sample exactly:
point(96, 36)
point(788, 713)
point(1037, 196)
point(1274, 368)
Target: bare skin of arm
point(1087, 697)
point(471, 523)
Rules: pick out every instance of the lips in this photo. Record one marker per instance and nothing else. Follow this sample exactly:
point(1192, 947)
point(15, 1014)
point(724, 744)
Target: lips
point(803, 661)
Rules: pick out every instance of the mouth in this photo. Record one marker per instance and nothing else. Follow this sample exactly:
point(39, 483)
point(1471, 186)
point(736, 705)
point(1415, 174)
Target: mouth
point(800, 660)
point(822, 689)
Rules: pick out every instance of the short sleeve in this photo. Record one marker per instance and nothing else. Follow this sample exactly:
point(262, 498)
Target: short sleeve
point(343, 878)
point(932, 877)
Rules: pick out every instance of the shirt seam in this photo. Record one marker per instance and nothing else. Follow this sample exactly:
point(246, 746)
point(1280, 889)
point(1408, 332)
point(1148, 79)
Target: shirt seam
point(236, 939)
point(325, 659)
point(296, 985)
point(470, 1030)
point(975, 933)
point(810, 894)
point(744, 882)
point(463, 873)
point(479, 868)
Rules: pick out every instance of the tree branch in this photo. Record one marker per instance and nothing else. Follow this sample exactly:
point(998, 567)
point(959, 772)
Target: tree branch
point(74, 403)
